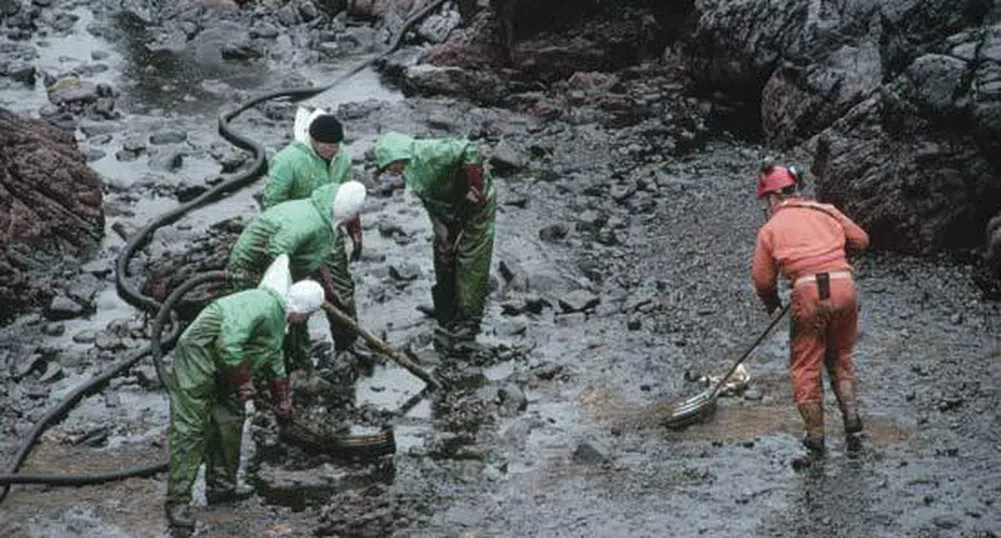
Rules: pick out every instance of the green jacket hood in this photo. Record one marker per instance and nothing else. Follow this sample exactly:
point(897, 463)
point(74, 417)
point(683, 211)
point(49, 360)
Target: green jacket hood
point(391, 147)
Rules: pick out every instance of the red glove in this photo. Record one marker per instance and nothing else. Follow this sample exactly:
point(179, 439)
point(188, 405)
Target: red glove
point(281, 398)
point(354, 231)
point(238, 378)
point(477, 189)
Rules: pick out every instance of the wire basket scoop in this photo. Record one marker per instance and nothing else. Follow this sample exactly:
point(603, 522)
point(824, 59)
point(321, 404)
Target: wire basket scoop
point(702, 406)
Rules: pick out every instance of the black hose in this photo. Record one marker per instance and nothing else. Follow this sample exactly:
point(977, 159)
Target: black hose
point(125, 289)
point(135, 298)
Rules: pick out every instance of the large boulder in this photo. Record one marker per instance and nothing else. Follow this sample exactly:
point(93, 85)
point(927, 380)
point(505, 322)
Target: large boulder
point(896, 104)
point(50, 206)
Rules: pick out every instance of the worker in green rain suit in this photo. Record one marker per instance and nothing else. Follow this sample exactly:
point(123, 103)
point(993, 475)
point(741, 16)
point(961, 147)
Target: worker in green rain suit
point(217, 356)
point(309, 231)
point(315, 158)
point(448, 176)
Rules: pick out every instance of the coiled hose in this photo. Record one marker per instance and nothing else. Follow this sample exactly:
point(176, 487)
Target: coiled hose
point(134, 297)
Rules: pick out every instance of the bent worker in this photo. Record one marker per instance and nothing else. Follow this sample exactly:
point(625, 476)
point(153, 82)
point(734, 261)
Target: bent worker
point(309, 231)
point(448, 177)
point(313, 159)
point(805, 241)
point(231, 340)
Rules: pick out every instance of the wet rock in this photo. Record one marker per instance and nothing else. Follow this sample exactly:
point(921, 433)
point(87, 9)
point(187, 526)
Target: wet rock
point(168, 137)
point(72, 90)
point(107, 341)
point(99, 268)
point(578, 301)
point(591, 221)
point(436, 28)
point(146, 374)
point(94, 154)
point(506, 157)
point(515, 277)
point(85, 337)
point(511, 400)
point(63, 307)
point(84, 288)
point(53, 372)
point(35, 363)
point(167, 161)
point(405, 273)
point(61, 218)
point(17, 62)
point(288, 15)
point(240, 51)
point(635, 323)
point(53, 329)
point(946, 521)
point(587, 454)
point(547, 371)
point(308, 11)
point(553, 233)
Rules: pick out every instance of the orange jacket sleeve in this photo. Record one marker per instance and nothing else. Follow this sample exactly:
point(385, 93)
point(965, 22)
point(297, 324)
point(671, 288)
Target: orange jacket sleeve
point(764, 269)
point(854, 234)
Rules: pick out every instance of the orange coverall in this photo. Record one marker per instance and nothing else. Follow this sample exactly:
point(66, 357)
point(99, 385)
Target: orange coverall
point(801, 239)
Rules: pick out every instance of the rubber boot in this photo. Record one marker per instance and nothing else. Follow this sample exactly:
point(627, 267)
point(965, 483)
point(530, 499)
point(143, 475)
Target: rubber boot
point(813, 438)
point(239, 493)
point(182, 522)
point(844, 390)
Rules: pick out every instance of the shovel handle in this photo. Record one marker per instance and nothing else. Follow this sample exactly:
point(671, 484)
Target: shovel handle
point(379, 345)
point(757, 342)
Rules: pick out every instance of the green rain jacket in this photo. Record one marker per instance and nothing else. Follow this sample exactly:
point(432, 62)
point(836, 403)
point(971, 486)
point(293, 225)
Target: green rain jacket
point(296, 171)
point(299, 228)
point(434, 170)
point(244, 326)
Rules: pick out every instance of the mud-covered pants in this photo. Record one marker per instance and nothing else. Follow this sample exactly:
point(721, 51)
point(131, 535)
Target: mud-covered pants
point(206, 424)
point(463, 250)
point(822, 332)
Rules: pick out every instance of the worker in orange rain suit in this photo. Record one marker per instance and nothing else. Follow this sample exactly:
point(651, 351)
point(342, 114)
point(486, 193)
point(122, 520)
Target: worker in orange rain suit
point(805, 241)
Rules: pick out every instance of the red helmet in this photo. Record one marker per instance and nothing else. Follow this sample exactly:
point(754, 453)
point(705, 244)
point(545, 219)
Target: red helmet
point(774, 179)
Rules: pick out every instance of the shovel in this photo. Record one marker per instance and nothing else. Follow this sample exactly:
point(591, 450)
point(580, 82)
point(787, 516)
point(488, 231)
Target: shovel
point(703, 405)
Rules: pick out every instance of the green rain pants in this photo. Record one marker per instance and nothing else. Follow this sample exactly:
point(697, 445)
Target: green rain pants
point(463, 250)
point(336, 264)
point(206, 425)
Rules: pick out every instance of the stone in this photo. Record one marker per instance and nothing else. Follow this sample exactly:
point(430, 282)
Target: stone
point(167, 161)
point(168, 137)
point(85, 337)
point(553, 233)
point(53, 329)
point(515, 276)
point(506, 157)
point(578, 301)
point(511, 400)
point(62, 308)
point(591, 221)
point(946, 521)
point(405, 273)
point(72, 90)
point(587, 454)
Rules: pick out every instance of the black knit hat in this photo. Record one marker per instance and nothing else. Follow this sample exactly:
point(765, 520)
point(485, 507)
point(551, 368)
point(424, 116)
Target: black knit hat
point(325, 128)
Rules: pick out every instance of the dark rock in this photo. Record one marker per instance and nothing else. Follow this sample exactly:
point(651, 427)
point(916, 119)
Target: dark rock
point(288, 15)
point(946, 521)
point(72, 90)
point(405, 273)
point(535, 305)
point(635, 323)
point(167, 161)
point(436, 28)
point(168, 137)
point(553, 233)
point(578, 301)
point(240, 51)
point(35, 363)
point(591, 221)
point(547, 371)
point(17, 62)
point(586, 454)
point(308, 11)
point(85, 337)
point(53, 372)
point(35, 155)
point(515, 277)
point(507, 158)
point(511, 400)
point(53, 329)
point(63, 307)
point(185, 192)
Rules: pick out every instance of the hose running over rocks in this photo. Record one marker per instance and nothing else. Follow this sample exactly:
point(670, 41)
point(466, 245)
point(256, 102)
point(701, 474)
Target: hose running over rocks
point(134, 297)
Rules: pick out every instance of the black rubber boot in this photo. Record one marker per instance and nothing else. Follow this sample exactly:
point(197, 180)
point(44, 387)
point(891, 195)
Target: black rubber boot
point(813, 439)
point(239, 493)
point(180, 519)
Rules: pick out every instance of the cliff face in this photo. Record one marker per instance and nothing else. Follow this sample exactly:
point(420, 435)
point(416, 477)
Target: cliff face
point(50, 206)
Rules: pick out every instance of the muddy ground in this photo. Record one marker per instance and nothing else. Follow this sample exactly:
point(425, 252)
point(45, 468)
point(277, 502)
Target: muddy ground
point(625, 266)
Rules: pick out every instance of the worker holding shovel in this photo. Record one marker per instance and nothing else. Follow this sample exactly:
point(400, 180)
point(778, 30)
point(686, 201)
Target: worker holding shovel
point(216, 359)
point(448, 176)
point(805, 241)
point(310, 232)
